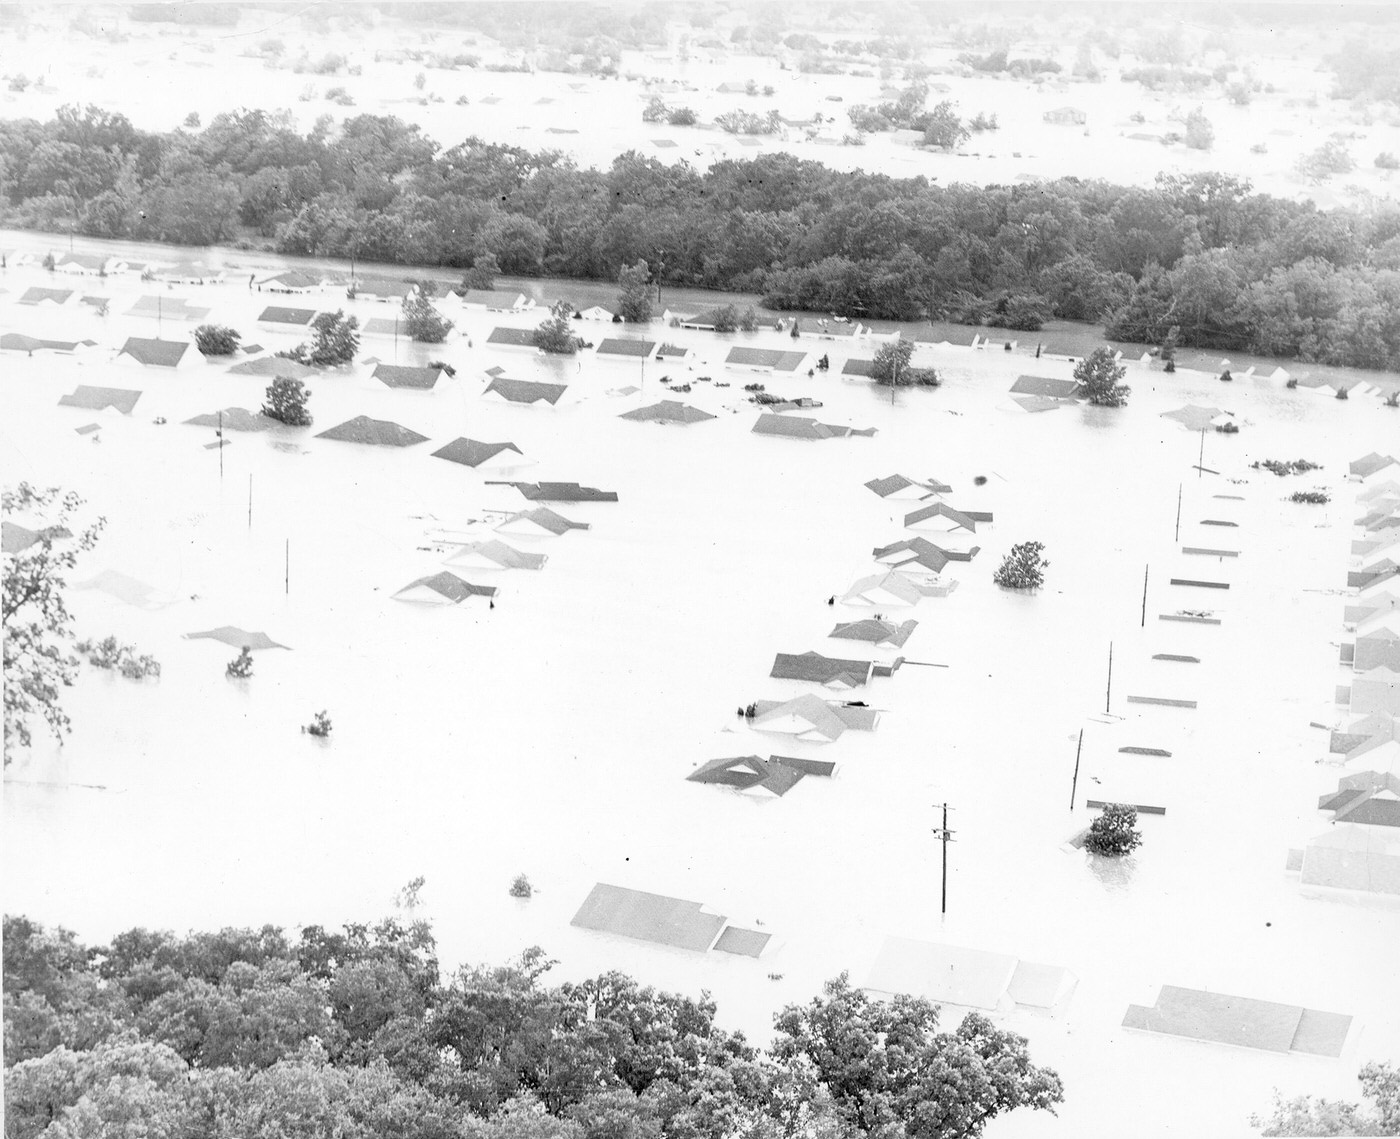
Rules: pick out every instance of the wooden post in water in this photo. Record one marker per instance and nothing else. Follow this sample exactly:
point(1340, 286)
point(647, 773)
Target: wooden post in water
point(221, 445)
point(287, 570)
point(250, 502)
point(1108, 693)
point(1177, 536)
point(1074, 785)
point(1200, 463)
point(1144, 594)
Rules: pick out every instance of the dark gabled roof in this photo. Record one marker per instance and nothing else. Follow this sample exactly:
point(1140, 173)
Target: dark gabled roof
point(516, 337)
point(160, 353)
point(401, 376)
point(794, 427)
point(94, 399)
point(814, 667)
point(560, 492)
point(377, 432)
point(234, 419)
point(451, 586)
point(924, 553)
point(741, 771)
point(276, 314)
point(276, 366)
point(36, 295)
point(706, 319)
point(1045, 385)
point(18, 342)
point(546, 519)
point(875, 631)
point(668, 411)
point(963, 519)
point(766, 358)
point(471, 452)
point(619, 347)
point(525, 391)
point(294, 279)
point(858, 368)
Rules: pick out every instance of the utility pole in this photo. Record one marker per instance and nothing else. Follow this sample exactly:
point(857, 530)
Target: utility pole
point(287, 570)
point(1108, 693)
point(1200, 463)
point(1074, 785)
point(221, 446)
point(250, 500)
point(945, 836)
point(1177, 536)
point(1144, 594)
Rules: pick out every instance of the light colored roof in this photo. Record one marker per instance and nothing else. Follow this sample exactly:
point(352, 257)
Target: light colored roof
point(507, 557)
point(545, 519)
point(276, 366)
point(884, 588)
point(1368, 465)
point(1243, 1021)
point(1045, 386)
point(971, 978)
point(234, 419)
point(810, 718)
point(648, 917)
point(14, 538)
point(238, 638)
point(941, 510)
point(95, 399)
point(37, 295)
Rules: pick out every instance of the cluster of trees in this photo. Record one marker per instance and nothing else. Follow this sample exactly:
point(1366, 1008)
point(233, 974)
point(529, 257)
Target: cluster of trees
point(355, 1033)
point(1234, 269)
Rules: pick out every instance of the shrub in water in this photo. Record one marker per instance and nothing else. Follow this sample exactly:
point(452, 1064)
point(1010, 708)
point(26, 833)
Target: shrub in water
point(320, 726)
point(1313, 497)
point(1115, 831)
point(1023, 567)
point(107, 653)
point(286, 402)
point(242, 666)
point(521, 887)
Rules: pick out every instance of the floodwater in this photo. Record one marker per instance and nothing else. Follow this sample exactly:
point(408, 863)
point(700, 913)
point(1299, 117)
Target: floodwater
point(552, 735)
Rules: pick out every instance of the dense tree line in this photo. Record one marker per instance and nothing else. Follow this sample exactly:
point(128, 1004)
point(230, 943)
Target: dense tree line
point(251, 1033)
point(1230, 268)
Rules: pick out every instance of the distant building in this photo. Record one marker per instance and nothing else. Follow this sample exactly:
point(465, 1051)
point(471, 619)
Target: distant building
point(1066, 116)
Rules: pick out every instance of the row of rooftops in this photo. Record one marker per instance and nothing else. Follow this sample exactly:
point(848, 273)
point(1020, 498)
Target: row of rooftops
point(1368, 794)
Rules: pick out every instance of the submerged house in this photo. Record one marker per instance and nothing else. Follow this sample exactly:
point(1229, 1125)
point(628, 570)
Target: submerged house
point(443, 589)
point(944, 518)
point(1351, 856)
point(874, 631)
point(1066, 116)
point(541, 522)
point(830, 672)
point(898, 487)
point(481, 456)
point(811, 719)
point(494, 555)
point(154, 353)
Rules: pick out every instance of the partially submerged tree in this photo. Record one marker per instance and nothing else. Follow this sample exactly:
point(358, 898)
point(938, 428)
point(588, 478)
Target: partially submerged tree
point(1306, 1115)
point(889, 1072)
point(555, 333)
point(1115, 831)
point(482, 274)
point(1099, 374)
point(634, 292)
point(241, 667)
point(1023, 568)
point(38, 658)
point(286, 402)
point(335, 339)
point(891, 367)
point(1169, 345)
point(423, 321)
point(216, 340)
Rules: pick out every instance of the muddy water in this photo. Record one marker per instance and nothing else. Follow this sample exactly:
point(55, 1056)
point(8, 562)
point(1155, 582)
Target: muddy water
point(552, 734)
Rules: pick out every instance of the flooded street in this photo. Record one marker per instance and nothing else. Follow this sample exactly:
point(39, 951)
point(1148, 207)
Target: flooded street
point(552, 734)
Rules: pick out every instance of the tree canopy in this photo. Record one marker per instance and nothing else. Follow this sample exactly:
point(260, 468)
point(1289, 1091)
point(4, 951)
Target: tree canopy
point(354, 1033)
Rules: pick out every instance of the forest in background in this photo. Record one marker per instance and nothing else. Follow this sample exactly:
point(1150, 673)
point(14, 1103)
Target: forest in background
point(252, 1034)
point(1230, 268)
